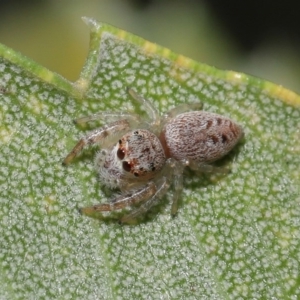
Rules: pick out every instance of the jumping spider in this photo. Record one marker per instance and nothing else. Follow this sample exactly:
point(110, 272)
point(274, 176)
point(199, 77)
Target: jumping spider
point(142, 157)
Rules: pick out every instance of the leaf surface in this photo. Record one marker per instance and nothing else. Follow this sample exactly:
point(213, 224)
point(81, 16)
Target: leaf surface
point(235, 236)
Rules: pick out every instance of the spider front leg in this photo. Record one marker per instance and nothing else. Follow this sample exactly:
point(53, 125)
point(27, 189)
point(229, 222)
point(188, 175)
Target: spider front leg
point(95, 137)
point(206, 168)
point(124, 200)
point(172, 168)
point(149, 195)
point(160, 191)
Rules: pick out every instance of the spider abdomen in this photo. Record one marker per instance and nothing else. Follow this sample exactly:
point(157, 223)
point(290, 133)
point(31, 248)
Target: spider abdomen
point(199, 136)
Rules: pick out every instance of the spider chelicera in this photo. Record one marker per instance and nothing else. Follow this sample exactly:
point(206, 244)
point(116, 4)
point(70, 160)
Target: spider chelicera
point(142, 157)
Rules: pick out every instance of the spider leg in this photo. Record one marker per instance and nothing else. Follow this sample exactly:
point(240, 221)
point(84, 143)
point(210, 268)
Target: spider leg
point(108, 117)
point(178, 185)
point(174, 173)
point(178, 178)
point(182, 108)
point(206, 168)
point(96, 136)
point(123, 201)
point(173, 168)
point(151, 109)
point(161, 189)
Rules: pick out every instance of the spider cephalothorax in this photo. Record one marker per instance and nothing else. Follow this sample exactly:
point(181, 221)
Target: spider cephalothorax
point(137, 156)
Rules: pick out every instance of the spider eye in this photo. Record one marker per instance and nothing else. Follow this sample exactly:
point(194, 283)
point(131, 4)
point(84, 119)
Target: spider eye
point(126, 166)
point(121, 153)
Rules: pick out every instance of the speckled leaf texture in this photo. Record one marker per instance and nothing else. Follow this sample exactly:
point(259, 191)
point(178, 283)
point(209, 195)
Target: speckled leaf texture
point(236, 236)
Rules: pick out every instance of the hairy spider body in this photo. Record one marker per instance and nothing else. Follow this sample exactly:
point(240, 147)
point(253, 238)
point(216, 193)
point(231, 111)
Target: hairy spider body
point(199, 136)
point(143, 157)
point(138, 155)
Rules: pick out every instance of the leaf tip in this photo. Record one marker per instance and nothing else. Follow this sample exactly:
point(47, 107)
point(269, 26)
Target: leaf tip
point(92, 23)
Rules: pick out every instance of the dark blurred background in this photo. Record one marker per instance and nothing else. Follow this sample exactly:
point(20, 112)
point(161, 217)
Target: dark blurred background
point(261, 38)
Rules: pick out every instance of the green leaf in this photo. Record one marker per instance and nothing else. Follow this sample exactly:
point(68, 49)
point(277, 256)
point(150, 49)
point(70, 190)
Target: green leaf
point(235, 236)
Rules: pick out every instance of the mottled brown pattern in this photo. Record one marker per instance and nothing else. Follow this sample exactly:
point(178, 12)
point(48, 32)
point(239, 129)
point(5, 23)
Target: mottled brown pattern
point(215, 139)
point(209, 124)
point(200, 136)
